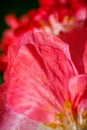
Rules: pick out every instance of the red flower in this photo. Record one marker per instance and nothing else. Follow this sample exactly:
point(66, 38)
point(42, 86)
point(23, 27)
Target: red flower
point(59, 16)
point(43, 84)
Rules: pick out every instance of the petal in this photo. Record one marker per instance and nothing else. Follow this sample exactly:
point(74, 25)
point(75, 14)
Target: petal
point(82, 112)
point(77, 46)
point(14, 121)
point(7, 39)
point(2, 99)
point(9, 120)
point(82, 107)
point(81, 14)
point(38, 78)
point(12, 21)
point(78, 89)
point(85, 57)
point(32, 37)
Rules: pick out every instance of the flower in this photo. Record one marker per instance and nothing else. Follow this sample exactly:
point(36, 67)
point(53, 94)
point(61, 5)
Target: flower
point(44, 85)
point(53, 16)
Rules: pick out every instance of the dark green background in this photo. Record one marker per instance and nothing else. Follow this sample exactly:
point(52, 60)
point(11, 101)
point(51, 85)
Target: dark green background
point(14, 6)
point(18, 7)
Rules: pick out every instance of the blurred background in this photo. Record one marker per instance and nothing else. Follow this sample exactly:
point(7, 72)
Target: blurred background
point(19, 7)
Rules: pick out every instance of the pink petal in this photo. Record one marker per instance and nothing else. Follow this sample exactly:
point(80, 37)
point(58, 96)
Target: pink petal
point(37, 75)
point(12, 121)
point(9, 120)
point(43, 39)
point(78, 89)
point(82, 107)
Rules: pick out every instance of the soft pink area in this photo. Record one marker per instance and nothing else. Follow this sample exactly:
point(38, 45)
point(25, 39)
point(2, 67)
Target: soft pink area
point(9, 120)
point(82, 107)
point(12, 121)
point(78, 90)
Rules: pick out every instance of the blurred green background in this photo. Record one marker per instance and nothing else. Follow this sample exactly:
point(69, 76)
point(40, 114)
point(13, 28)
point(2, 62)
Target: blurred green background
point(18, 7)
